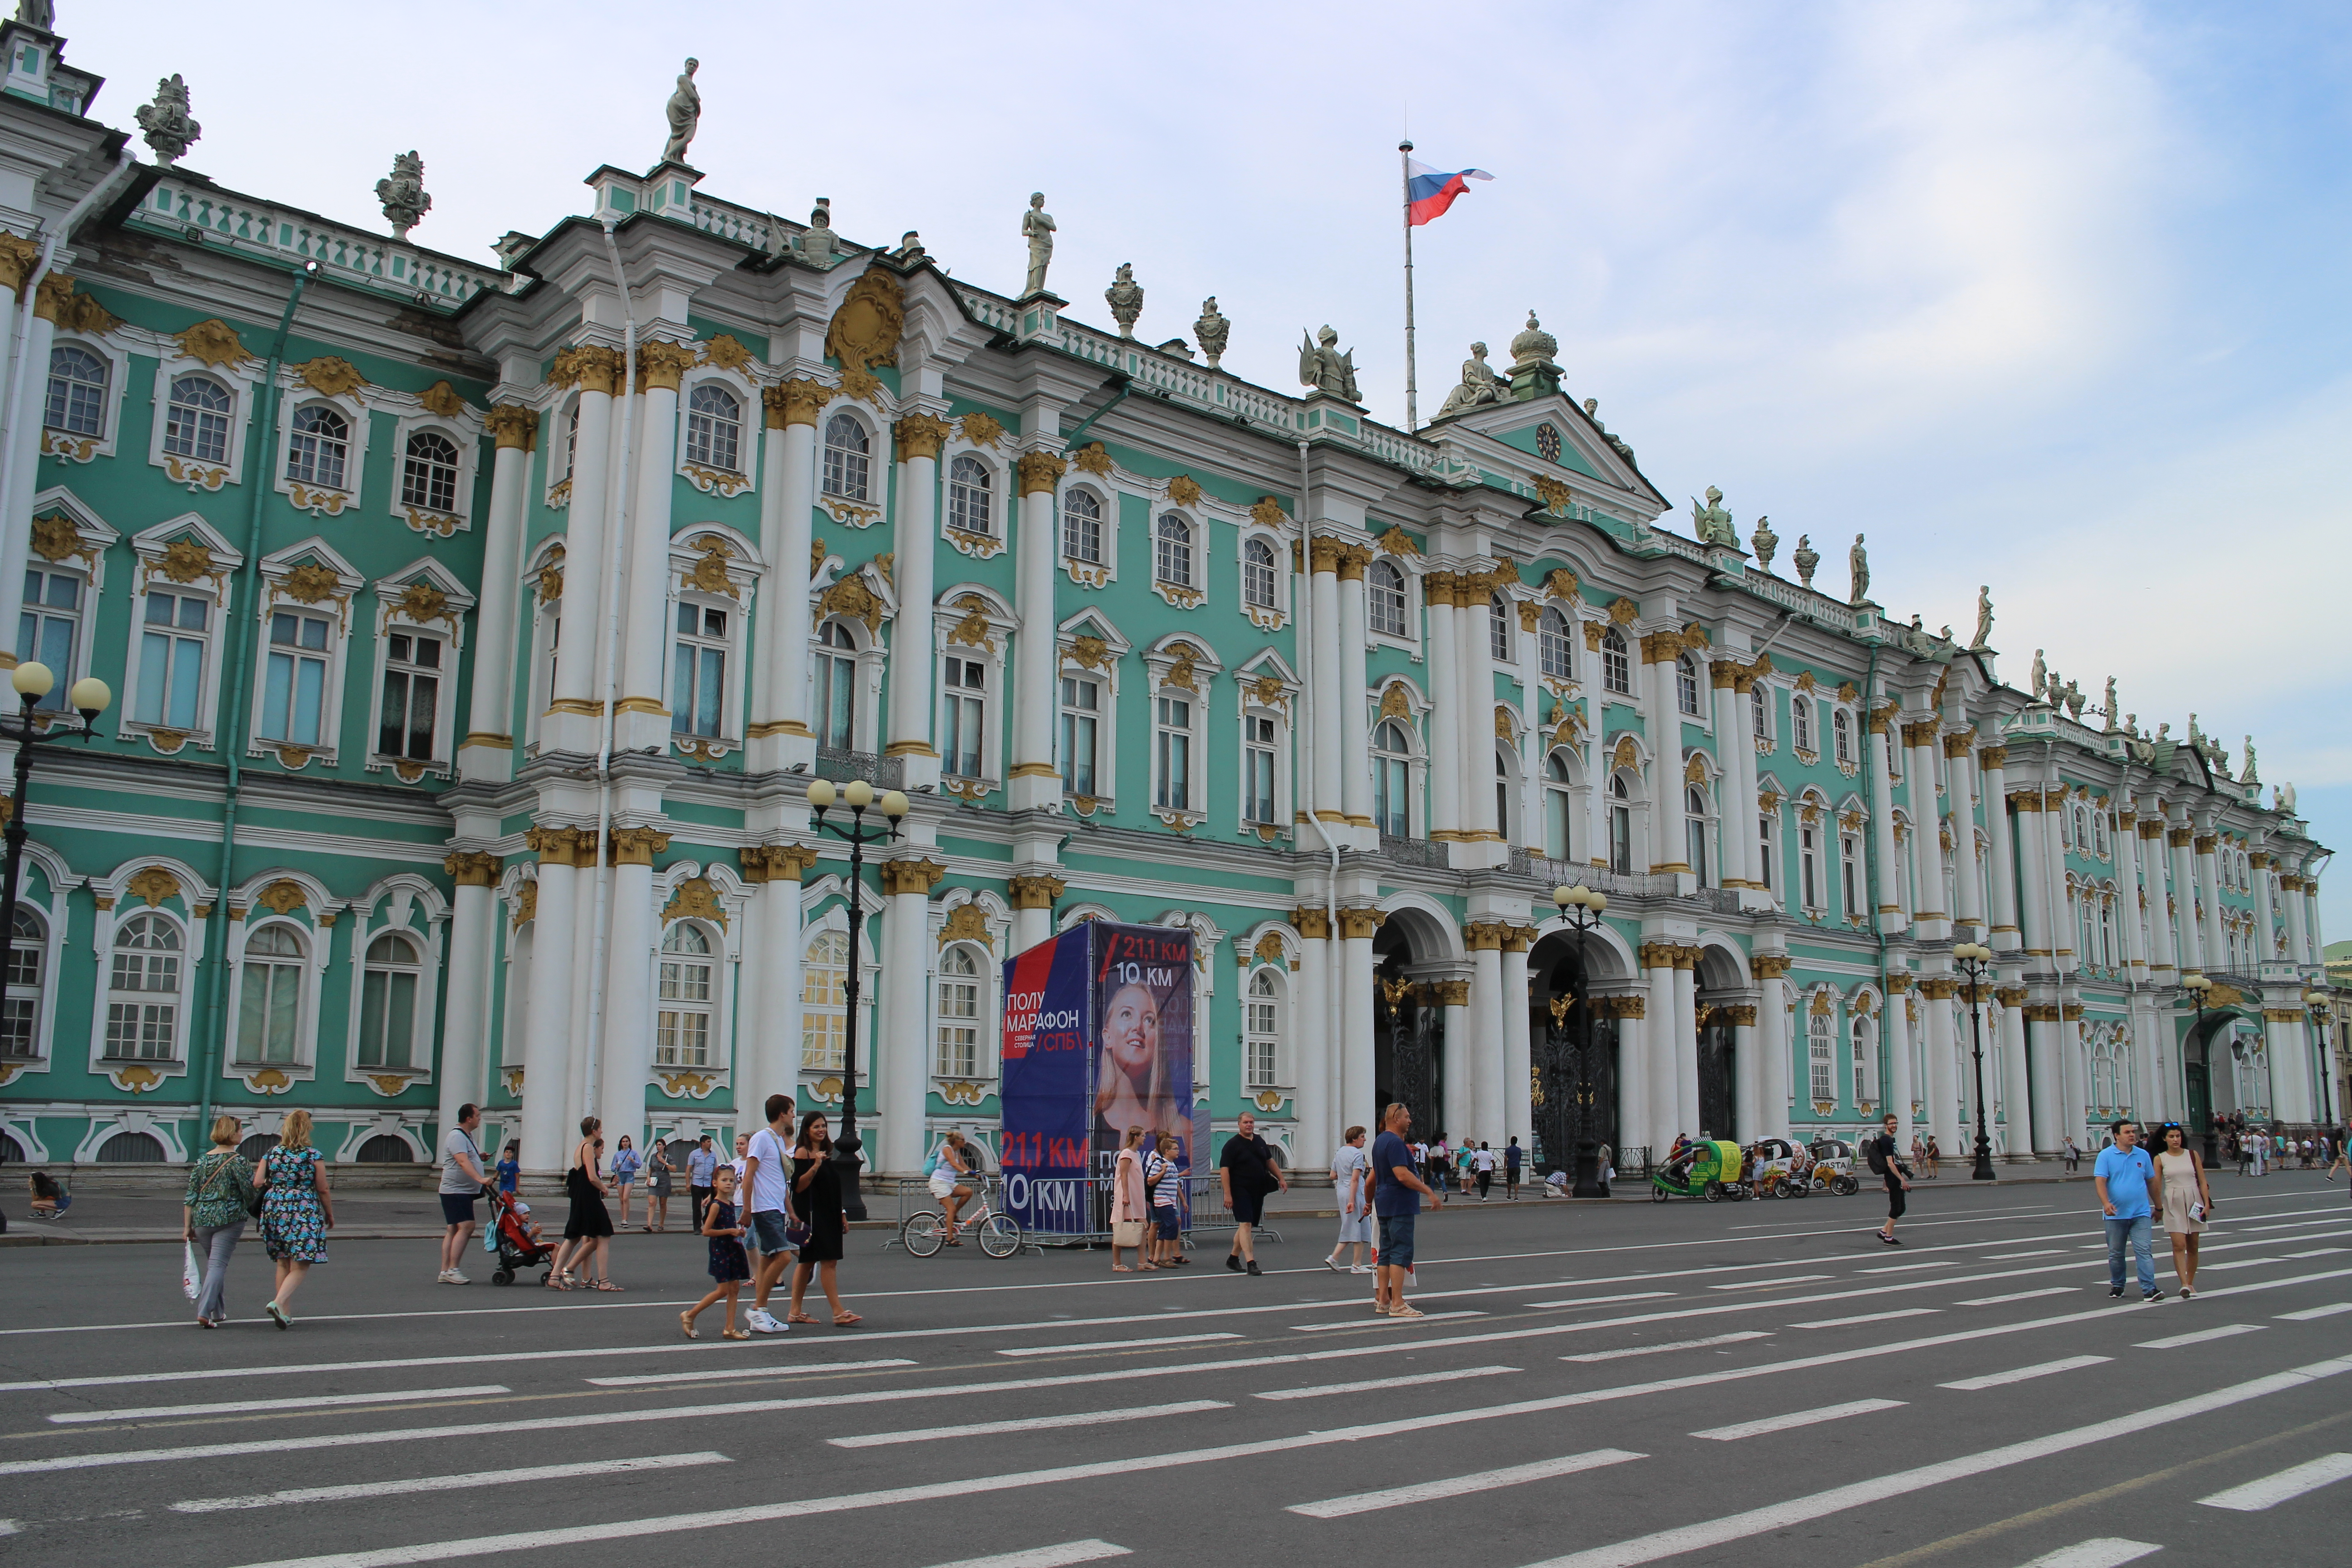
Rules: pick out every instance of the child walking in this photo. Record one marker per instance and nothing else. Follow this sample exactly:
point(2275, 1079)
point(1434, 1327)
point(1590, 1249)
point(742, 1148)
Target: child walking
point(730, 1267)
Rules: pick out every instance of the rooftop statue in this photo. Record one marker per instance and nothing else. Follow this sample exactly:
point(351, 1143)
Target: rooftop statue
point(817, 245)
point(1322, 366)
point(685, 113)
point(2040, 675)
point(403, 193)
point(2250, 777)
point(1807, 558)
point(1984, 617)
point(1858, 562)
point(2111, 705)
point(165, 124)
point(39, 14)
point(1478, 384)
point(1125, 296)
point(1211, 331)
point(2074, 701)
point(2284, 798)
point(1764, 543)
point(911, 251)
point(1712, 523)
point(1037, 228)
point(1593, 412)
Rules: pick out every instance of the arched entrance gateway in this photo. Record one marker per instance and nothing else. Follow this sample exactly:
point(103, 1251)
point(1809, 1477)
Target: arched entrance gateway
point(1573, 1028)
point(1726, 1005)
point(1419, 986)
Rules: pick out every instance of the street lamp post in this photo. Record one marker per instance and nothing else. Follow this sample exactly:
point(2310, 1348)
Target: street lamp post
point(1970, 958)
point(32, 681)
point(2198, 986)
point(857, 795)
point(1582, 908)
point(2315, 1001)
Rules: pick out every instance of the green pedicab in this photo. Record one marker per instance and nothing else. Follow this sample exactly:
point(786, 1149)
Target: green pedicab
point(1709, 1170)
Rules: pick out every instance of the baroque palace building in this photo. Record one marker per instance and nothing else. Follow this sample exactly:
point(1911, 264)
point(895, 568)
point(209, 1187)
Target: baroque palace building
point(476, 631)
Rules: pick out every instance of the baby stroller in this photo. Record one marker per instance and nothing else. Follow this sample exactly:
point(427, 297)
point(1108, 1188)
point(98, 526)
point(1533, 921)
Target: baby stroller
point(519, 1246)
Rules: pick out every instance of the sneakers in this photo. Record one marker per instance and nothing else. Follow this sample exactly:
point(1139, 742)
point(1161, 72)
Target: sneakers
point(1889, 1240)
point(1360, 1268)
point(1234, 1261)
point(1253, 1269)
point(451, 1277)
point(763, 1323)
point(2153, 1296)
point(2116, 1294)
point(1333, 1265)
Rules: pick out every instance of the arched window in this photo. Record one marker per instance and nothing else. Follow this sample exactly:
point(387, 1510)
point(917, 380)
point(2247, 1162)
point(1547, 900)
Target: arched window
point(1560, 808)
point(1824, 1065)
point(1842, 726)
point(1082, 534)
point(1552, 646)
point(1695, 830)
point(834, 673)
point(1391, 779)
point(270, 1003)
point(131, 1149)
point(714, 429)
point(142, 990)
point(1264, 1028)
point(824, 1001)
point(682, 1024)
point(1498, 628)
point(319, 449)
point(1257, 573)
point(1759, 713)
point(1616, 663)
point(846, 464)
point(1801, 723)
point(384, 1149)
point(429, 472)
point(20, 1012)
point(958, 1039)
point(1686, 684)
point(76, 397)
point(1620, 825)
point(1172, 556)
point(972, 497)
point(195, 423)
point(1504, 758)
point(1864, 1060)
point(1384, 599)
point(388, 1001)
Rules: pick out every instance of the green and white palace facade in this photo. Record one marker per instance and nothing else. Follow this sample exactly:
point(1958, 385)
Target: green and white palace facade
point(476, 630)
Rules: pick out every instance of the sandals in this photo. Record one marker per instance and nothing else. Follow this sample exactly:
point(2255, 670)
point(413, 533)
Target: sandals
point(686, 1321)
point(1115, 1268)
point(734, 1334)
point(798, 1317)
point(842, 1319)
point(606, 1285)
point(1405, 1313)
point(1147, 1269)
point(555, 1281)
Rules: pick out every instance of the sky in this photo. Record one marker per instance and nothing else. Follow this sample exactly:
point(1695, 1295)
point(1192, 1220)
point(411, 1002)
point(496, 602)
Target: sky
point(2048, 298)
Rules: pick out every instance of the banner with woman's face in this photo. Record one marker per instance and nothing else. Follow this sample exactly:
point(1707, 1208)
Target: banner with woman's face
point(1143, 1034)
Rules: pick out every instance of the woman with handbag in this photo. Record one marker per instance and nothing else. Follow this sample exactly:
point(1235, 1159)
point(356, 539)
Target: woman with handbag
point(212, 1215)
point(1130, 1206)
point(817, 1187)
point(626, 1165)
point(589, 1226)
point(2188, 1201)
point(951, 1166)
point(297, 1211)
point(657, 1175)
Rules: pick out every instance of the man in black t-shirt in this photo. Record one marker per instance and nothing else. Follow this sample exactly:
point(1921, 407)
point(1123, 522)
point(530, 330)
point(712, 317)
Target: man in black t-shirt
point(1879, 1153)
point(1248, 1172)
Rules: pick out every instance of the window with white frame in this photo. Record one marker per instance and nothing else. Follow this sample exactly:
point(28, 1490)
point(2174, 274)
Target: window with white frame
point(1171, 753)
point(1759, 712)
point(958, 1043)
point(1841, 727)
point(76, 402)
point(698, 681)
point(269, 996)
point(319, 451)
point(1082, 529)
point(1081, 734)
point(393, 973)
point(1506, 774)
point(50, 628)
point(1809, 868)
point(1801, 723)
point(408, 717)
point(1498, 628)
point(1384, 597)
point(833, 673)
point(1824, 1062)
point(1620, 825)
point(1850, 871)
point(1257, 573)
point(1616, 663)
point(1172, 550)
point(964, 715)
point(1257, 769)
point(1764, 836)
point(682, 1019)
point(1264, 1027)
point(294, 680)
point(1391, 779)
point(971, 498)
point(20, 1011)
point(1553, 651)
point(1686, 685)
point(1695, 828)
point(143, 1012)
point(570, 439)
point(1560, 808)
point(848, 465)
point(1865, 1059)
point(824, 1001)
point(429, 472)
point(196, 420)
point(173, 643)
point(714, 428)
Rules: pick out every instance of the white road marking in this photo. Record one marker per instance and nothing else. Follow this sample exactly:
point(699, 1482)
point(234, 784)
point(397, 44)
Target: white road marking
point(1908, 1267)
point(1766, 1284)
point(2287, 1485)
point(1458, 1486)
point(666, 1377)
point(2226, 1331)
point(1045, 1557)
point(1677, 1345)
point(312, 1402)
point(1603, 1300)
point(2038, 1252)
point(2106, 1552)
point(485, 1478)
point(2021, 1296)
point(1116, 1344)
point(1797, 1418)
point(1375, 1321)
point(2239, 1263)
point(2314, 1252)
point(2040, 1369)
point(1784, 1515)
point(1026, 1424)
point(1866, 1318)
point(2310, 1313)
point(1370, 1385)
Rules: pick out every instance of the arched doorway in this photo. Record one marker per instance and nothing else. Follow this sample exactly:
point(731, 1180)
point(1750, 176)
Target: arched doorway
point(1409, 1001)
point(1721, 982)
point(1573, 1036)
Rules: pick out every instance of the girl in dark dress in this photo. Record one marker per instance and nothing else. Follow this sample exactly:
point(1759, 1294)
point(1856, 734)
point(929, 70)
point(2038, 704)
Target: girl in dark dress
point(818, 1187)
point(728, 1265)
point(588, 1225)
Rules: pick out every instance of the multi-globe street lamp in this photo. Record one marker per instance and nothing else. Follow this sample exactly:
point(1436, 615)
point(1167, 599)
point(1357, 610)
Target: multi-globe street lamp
point(2198, 987)
point(1580, 906)
point(1970, 958)
point(89, 697)
point(858, 795)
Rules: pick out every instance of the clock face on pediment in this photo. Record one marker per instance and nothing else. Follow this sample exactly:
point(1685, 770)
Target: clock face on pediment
point(1548, 442)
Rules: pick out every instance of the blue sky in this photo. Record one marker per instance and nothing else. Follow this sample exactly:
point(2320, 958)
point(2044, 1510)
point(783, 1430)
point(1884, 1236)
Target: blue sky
point(2048, 296)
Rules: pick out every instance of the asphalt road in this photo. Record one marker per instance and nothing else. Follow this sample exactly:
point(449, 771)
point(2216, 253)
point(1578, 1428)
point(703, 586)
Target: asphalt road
point(1758, 1383)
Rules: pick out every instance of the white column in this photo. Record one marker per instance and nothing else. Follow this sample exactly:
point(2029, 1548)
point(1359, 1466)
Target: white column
point(1353, 724)
point(1634, 1118)
point(2314, 930)
point(2003, 935)
point(1944, 1069)
point(2186, 930)
point(1471, 725)
point(2209, 894)
point(1489, 1053)
point(1686, 1110)
point(2265, 882)
point(2127, 892)
point(775, 1034)
point(1333, 761)
point(914, 662)
point(1772, 1045)
point(547, 1113)
point(2016, 1080)
point(902, 1064)
point(1668, 850)
point(2298, 920)
point(780, 736)
point(1893, 917)
point(2163, 956)
point(465, 1017)
point(24, 440)
point(1035, 784)
point(2073, 1044)
point(628, 1036)
point(2033, 900)
point(1739, 812)
point(1587, 652)
point(486, 752)
point(2286, 1038)
point(595, 371)
point(1445, 814)
point(1355, 1024)
point(1319, 1120)
point(1033, 893)
point(1518, 1057)
point(1732, 847)
point(2153, 1097)
point(1458, 1117)
point(1664, 1071)
point(1900, 1090)
point(1747, 1077)
point(1927, 835)
point(1961, 771)
point(2045, 1051)
point(644, 594)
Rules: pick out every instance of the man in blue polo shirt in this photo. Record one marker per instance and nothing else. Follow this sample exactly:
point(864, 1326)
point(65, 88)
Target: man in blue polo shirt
point(2127, 1191)
point(1397, 1190)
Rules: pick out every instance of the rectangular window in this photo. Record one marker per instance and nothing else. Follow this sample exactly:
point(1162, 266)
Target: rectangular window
point(1809, 863)
point(964, 715)
point(141, 1031)
point(1824, 1073)
point(1262, 1038)
point(387, 1017)
point(1172, 754)
point(46, 631)
point(959, 1040)
point(1081, 701)
point(1764, 851)
point(1849, 868)
point(294, 683)
point(412, 696)
point(1621, 839)
point(171, 660)
point(837, 701)
point(1257, 770)
point(698, 676)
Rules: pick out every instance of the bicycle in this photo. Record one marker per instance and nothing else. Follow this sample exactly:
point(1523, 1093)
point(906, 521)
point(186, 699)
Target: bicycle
point(926, 1230)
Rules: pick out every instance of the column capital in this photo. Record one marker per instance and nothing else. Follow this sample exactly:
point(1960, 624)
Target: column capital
point(1959, 744)
point(2205, 842)
point(900, 878)
point(1450, 992)
point(920, 436)
point(1626, 1006)
point(1312, 923)
point(562, 846)
point(638, 846)
point(1992, 759)
point(1660, 647)
point(1658, 954)
point(2151, 827)
point(473, 867)
point(1352, 561)
point(1323, 554)
point(2181, 837)
point(17, 257)
point(1770, 965)
point(1939, 988)
point(1898, 983)
point(1358, 925)
point(1484, 936)
point(1518, 939)
point(795, 402)
point(1743, 1014)
point(512, 424)
point(1036, 891)
point(1923, 733)
point(1040, 472)
point(663, 364)
point(2009, 996)
point(591, 367)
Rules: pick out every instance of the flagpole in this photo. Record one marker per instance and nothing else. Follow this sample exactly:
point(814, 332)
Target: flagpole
point(1411, 409)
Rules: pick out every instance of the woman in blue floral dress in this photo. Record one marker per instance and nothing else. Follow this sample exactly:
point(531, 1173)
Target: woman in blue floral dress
point(297, 1210)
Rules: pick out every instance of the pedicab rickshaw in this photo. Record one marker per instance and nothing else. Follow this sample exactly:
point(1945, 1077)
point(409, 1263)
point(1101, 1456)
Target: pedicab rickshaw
point(1709, 1170)
point(1833, 1167)
point(1774, 1166)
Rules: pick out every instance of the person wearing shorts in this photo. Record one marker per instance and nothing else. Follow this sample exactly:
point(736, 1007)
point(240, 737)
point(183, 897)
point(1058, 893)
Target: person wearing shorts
point(462, 1182)
point(1351, 1170)
point(1163, 1179)
point(1397, 1192)
point(1513, 1158)
point(767, 1186)
point(1249, 1173)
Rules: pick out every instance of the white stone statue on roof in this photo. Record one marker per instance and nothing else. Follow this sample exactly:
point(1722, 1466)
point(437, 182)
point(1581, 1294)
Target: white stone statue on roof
point(1037, 228)
point(1478, 387)
point(1322, 366)
point(1712, 523)
point(1984, 617)
point(684, 111)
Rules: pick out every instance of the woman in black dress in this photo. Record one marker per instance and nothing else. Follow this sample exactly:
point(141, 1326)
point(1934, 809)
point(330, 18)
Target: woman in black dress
point(588, 1225)
point(818, 1187)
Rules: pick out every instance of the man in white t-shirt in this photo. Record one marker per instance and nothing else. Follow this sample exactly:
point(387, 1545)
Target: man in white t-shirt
point(1483, 1162)
point(461, 1183)
point(767, 1199)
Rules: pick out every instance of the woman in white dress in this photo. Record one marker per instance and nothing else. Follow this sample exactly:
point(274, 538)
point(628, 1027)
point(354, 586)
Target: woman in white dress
point(2186, 1201)
point(1351, 1182)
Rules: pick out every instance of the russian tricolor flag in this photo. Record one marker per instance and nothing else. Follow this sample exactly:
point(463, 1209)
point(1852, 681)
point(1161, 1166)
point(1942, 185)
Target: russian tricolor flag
point(1429, 192)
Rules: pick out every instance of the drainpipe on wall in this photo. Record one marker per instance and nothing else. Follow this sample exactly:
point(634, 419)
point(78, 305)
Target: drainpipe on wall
point(259, 454)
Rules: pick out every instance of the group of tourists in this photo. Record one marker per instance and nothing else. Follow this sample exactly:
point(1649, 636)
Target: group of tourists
point(288, 1195)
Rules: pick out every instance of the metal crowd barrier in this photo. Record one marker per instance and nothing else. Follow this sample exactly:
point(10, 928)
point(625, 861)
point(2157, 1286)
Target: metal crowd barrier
point(1066, 1211)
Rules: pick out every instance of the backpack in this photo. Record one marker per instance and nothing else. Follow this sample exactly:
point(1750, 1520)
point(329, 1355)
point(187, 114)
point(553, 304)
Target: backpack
point(1877, 1154)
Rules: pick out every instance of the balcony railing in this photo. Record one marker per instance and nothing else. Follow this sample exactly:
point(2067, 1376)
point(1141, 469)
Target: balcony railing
point(841, 767)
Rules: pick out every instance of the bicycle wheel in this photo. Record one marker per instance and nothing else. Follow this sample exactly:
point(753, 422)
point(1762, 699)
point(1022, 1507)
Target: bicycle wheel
point(999, 1236)
point(923, 1234)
